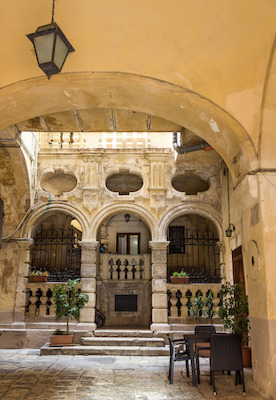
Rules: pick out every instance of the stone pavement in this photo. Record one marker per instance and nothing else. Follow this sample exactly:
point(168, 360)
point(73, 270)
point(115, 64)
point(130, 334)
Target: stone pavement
point(24, 375)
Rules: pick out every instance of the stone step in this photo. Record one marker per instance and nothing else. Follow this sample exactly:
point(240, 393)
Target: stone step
point(46, 350)
point(122, 341)
point(123, 333)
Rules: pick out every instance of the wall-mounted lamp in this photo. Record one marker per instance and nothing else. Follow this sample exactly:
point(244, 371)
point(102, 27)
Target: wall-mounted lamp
point(229, 230)
point(51, 47)
point(231, 227)
point(127, 217)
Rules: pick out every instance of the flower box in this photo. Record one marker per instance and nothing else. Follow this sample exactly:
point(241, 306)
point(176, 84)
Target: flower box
point(179, 280)
point(61, 340)
point(37, 278)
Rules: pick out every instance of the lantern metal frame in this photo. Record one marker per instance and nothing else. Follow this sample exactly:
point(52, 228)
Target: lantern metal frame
point(127, 217)
point(50, 68)
point(229, 230)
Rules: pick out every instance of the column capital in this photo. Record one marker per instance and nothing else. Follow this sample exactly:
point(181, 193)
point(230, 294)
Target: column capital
point(158, 245)
point(25, 243)
point(89, 244)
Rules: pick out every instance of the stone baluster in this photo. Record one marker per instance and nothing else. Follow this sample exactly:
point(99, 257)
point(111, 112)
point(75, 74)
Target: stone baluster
point(66, 137)
point(173, 306)
point(159, 286)
point(56, 140)
point(76, 140)
point(43, 307)
point(89, 254)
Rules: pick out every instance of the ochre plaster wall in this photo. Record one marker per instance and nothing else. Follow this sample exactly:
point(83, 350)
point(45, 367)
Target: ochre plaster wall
point(8, 279)
point(178, 42)
point(252, 213)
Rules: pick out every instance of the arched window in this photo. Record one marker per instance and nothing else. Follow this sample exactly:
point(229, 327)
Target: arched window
point(193, 248)
point(56, 248)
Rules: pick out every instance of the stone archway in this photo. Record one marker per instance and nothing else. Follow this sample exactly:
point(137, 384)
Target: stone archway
point(41, 211)
point(124, 292)
point(138, 93)
point(195, 208)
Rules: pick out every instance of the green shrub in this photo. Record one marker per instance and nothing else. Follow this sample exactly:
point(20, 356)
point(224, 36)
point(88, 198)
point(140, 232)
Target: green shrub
point(69, 301)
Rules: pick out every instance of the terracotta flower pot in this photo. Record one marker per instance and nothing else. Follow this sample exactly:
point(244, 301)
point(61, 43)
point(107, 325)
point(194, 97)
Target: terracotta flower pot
point(61, 340)
point(246, 357)
point(178, 280)
point(37, 278)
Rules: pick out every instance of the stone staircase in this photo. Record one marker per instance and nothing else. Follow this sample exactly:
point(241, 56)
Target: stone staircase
point(114, 342)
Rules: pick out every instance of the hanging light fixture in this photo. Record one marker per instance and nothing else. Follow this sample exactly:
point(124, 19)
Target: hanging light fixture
point(229, 230)
point(231, 227)
point(51, 47)
point(127, 217)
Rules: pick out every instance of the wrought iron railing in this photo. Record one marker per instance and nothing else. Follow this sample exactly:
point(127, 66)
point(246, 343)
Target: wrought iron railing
point(195, 252)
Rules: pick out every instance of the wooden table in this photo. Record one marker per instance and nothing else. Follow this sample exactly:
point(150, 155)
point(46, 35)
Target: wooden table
point(191, 339)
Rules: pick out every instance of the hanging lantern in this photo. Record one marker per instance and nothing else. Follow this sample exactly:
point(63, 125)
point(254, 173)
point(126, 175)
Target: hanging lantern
point(229, 230)
point(51, 47)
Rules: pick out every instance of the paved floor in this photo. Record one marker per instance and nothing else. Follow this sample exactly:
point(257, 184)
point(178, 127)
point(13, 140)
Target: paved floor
point(24, 375)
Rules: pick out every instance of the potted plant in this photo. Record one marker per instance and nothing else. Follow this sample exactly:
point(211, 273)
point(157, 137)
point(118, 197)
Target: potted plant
point(68, 302)
point(233, 314)
point(37, 275)
point(180, 277)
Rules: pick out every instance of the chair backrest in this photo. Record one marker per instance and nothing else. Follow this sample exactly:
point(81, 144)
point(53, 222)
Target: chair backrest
point(226, 352)
point(205, 329)
point(172, 347)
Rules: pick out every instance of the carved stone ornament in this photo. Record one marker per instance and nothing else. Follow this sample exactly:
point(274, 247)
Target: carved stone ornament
point(90, 199)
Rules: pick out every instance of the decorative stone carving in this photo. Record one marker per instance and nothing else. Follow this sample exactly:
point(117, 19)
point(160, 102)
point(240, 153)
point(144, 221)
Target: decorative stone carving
point(90, 199)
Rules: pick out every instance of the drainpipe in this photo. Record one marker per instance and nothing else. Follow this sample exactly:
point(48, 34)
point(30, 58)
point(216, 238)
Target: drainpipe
point(188, 149)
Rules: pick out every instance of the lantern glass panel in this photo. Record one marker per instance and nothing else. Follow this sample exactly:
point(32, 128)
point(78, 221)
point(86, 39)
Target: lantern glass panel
point(61, 52)
point(44, 47)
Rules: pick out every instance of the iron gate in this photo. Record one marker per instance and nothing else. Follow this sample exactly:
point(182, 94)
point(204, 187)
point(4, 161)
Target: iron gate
point(195, 252)
point(57, 250)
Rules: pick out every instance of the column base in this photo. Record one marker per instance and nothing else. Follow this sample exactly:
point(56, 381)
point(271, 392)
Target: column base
point(160, 327)
point(83, 326)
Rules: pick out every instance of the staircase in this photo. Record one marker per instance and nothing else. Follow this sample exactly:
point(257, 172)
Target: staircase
point(114, 342)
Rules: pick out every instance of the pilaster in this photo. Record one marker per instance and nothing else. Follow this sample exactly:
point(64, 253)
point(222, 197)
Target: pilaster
point(89, 255)
point(22, 272)
point(159, 286)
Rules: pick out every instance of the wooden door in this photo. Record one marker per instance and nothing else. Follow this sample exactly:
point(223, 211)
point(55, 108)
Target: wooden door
point(238, 272)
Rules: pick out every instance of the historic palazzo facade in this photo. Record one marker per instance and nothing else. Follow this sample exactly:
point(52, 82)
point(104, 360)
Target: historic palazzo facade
point(156, 137)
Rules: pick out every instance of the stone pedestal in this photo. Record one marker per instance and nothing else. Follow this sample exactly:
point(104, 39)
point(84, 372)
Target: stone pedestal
point(159, 286)
point(23, 268)
point(89, 254)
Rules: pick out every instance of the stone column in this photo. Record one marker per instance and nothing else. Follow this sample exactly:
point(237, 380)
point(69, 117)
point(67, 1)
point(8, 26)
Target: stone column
point(159, 286)
point(21, 293)
point(89, 252)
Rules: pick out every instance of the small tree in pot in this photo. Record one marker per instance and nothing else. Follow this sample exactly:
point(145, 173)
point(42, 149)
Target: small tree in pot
point(68, 303)
point(233, 313)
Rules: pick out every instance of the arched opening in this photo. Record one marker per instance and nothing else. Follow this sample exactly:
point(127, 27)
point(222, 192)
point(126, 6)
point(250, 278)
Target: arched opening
point(193, 248)
point(124, 277)
point(56, 247)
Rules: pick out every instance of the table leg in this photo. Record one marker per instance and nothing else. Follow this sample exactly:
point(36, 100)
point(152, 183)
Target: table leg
point(193, 363)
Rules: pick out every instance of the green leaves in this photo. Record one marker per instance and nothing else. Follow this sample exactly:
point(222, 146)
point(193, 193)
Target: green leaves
point(182, 273)
point(233, 311)
point(202, 307)
point(69, 301)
